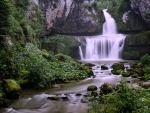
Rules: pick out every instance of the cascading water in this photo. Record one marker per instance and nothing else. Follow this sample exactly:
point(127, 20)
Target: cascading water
point(108, 46)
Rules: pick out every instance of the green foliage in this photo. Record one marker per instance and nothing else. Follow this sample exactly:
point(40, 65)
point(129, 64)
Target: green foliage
point(31, 67)
point(59, 44)
point(5, 13)
point(125, 100)
point(145, 59)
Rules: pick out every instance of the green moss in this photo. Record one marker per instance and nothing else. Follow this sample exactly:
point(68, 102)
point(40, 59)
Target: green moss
point(11, 85)
point(125, 74)
point(45, 53)
point(118, 66)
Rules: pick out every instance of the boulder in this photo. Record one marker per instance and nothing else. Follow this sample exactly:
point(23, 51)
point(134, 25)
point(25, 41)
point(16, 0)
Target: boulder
point(11, 88)
point(103, 67)
point(125, 74)
point(89, 64)
point(92, 88)
point(117, 66)
point(94, 93)
point(106, 88)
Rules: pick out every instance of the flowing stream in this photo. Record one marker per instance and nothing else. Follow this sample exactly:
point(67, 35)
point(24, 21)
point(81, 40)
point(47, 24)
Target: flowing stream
point(32, 101)
point(108, 46)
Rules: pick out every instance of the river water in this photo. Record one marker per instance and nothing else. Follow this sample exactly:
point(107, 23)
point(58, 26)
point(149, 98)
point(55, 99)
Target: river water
point(32, 101)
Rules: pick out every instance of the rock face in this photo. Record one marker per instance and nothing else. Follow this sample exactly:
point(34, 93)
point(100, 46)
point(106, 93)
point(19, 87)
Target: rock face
point(136, 45)
point(70, 16)
point(142, 8)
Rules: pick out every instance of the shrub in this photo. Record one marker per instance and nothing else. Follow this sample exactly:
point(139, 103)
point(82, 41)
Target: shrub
point(125, 100)
point(145, 59)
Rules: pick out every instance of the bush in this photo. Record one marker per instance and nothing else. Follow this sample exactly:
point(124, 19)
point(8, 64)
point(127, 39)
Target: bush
point(145, 59)
point(125, 100)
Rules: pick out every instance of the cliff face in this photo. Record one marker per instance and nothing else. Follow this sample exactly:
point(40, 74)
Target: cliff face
point(142, 8)
point(70, 16)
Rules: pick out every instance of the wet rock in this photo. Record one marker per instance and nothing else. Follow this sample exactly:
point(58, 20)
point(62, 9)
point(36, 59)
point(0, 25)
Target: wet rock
point(136, 65)
point(86, 95)
point(117, 72)
point(65, 98)
point(103, 67)
point(117, 66)
point(145, 85)
point(78, 94)
point(106, 88)
point(53, 98)
point(91, 88)
point(11, 88)
point(140, 71)
point(125, 74)
point(84, 101)
point(94, 93)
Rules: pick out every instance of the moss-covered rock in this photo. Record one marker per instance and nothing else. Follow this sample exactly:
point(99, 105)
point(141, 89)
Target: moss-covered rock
point(106, 88)
point(11, 88)
point(94, 93)
point(117, 66)
point(116, 72)
point(125, 74)
point(140, 71)
point(92, 88)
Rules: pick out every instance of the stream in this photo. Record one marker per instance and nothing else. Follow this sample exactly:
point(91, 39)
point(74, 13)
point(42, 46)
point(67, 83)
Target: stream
point(32, 101)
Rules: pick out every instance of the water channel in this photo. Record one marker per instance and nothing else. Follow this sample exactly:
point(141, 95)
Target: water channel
point(32, 101)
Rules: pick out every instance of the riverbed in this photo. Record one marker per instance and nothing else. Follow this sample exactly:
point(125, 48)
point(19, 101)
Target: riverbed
point(32, 101)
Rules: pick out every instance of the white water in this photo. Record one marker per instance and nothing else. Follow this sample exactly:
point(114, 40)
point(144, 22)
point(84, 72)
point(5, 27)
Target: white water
point(108, 46)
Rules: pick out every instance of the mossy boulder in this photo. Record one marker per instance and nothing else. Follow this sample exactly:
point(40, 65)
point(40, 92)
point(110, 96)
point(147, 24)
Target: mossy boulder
point(116, 72)
point(117, 66)
point(62, 57)
point(94, 93)
point(106, 88)
point(125, 74)
point(140, 71)
point(136, 65)
point(103, 67)
point(11, 88)
point(92, 88)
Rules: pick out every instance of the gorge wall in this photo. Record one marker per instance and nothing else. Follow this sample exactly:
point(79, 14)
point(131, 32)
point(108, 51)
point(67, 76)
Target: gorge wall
point(70, 16)
point(136, 45)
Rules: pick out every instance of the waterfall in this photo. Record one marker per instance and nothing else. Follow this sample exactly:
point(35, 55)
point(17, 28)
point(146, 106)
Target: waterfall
point(107, 46)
